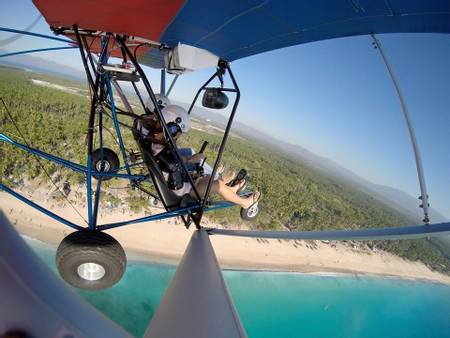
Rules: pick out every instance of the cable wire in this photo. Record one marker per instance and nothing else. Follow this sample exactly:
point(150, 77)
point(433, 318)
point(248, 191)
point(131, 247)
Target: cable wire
point(39, 161)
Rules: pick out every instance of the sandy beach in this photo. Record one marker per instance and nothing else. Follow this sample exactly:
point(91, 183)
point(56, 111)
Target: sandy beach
point(165, 241)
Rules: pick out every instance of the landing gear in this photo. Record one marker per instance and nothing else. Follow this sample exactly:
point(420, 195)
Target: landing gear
point(90, 260)
point(109, 163)
point(251, 213)
point(154, 202)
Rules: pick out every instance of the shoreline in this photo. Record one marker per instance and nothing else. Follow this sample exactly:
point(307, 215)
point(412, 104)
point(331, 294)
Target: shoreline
point(164, 242)
point(145, 258)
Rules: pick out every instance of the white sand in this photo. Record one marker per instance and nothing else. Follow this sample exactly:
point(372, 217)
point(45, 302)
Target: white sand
point(166, 241)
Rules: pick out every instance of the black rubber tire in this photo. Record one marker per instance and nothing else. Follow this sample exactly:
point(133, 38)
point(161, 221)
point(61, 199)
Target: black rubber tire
point(251, 213)
point(90, 247)
point(111, 159)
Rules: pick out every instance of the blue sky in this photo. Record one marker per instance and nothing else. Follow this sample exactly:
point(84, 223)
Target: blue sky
point(334, 98)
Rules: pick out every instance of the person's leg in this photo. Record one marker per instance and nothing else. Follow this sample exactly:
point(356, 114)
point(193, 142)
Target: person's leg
point(225, 192)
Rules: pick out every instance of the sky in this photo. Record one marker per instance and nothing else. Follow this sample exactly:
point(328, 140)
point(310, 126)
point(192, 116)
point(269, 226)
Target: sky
point(333, 97)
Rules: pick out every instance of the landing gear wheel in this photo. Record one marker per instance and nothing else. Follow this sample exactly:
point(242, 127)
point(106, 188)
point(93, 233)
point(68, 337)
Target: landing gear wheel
point(154, 202)
point(251, 213)
point(110, 162)
point(90, 260)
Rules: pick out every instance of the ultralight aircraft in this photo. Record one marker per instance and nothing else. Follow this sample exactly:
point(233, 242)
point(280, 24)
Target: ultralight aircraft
point(114, 40)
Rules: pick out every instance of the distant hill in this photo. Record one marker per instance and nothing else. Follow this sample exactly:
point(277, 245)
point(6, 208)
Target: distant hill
point(40, 65)
point(395, 198)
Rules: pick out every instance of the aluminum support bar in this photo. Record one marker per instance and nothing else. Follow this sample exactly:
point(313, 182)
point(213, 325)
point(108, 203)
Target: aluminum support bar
point(412, 136)
point(18, 31)
point(29, 51)
point(394, 233)
point(172, 84)
point(163, 83)
point(157, 217)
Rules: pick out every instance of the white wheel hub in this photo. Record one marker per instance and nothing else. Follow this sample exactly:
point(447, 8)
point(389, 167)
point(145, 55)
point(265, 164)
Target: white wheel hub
point(91, 271)
point(253, 210)
point(106, 166)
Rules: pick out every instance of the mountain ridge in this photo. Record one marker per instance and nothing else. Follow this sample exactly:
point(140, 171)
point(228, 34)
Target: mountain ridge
point(396, 198)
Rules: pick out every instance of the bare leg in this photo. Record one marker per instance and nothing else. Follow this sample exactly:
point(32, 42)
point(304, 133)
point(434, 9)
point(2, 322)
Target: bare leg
point(237, 187)
point(224, 191)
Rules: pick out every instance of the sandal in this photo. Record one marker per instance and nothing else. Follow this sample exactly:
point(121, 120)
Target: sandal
point(242, 174)
point(241, 186)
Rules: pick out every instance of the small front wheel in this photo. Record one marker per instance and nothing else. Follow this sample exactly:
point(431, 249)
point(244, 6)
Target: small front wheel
point(154, 202)
point(107, 163)
point(251, 213)
point(90, 260)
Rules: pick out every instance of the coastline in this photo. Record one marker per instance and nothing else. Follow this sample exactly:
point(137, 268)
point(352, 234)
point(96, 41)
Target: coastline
point(164, 242)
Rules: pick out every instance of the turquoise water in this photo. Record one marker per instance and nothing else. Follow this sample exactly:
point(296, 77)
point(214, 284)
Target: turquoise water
point(287, 304)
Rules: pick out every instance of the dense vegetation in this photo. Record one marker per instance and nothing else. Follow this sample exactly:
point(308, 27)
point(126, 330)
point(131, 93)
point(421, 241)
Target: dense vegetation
point(295, 197)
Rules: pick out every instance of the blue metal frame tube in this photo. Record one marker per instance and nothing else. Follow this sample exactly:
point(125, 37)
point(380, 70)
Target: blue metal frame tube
point(117, 126)
point(49, 37)
point(89, 191)
point(167, 214)
point(72, 165)
point(69, 164)
point(38, 207)
point(96, 201)
point(164, 215)
point(124, 176)
point(29, 51)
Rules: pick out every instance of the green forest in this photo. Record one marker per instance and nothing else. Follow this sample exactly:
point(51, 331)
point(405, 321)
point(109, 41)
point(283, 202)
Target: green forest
point(295, 196)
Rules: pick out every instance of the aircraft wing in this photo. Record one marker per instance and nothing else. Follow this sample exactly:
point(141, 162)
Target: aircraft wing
point(235, 29)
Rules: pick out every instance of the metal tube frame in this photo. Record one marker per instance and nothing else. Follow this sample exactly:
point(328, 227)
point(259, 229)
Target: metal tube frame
point(39, 208)
point(163, 82)
point(222, 66)
point(420, 173)
point(37, 35)
point(225, 135)
point(172, 85)
point(158, 112)
point(101, 90)
point(390, 233)
point(160, 216)
point(117, 126)
point(96, 99)
point(69, 164)
point(364, 234)
point(29, 51)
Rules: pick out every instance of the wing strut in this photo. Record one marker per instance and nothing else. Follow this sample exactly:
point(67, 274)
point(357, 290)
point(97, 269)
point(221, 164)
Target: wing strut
point(423, 189)
point(394, 233)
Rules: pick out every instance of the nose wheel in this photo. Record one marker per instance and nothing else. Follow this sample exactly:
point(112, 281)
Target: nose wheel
point(251, 213)
point(108, 163)
point(90, 260)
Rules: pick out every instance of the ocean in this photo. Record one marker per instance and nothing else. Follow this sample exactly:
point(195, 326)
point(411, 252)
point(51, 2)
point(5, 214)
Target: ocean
point(275, 304)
